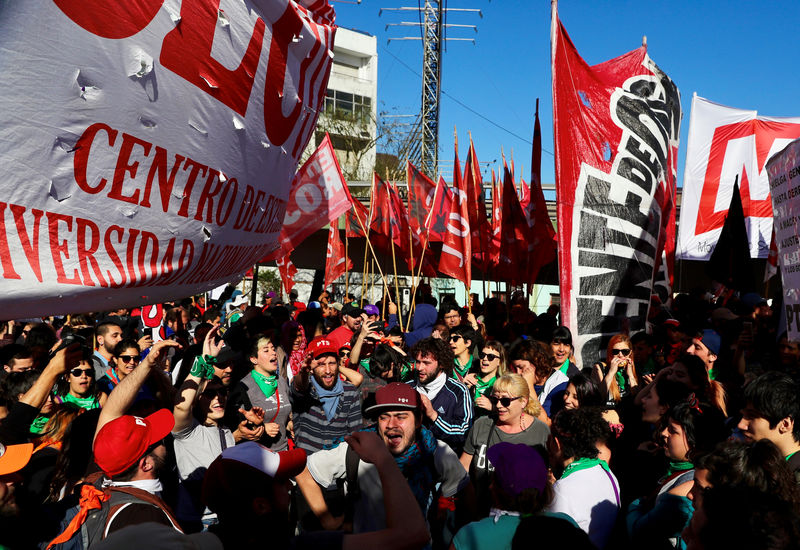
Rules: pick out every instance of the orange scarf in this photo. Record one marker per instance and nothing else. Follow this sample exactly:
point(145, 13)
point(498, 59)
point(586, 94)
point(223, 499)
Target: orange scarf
point(92, 498)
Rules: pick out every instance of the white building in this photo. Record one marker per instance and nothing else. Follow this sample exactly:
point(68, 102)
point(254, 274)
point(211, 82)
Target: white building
point(350, 115)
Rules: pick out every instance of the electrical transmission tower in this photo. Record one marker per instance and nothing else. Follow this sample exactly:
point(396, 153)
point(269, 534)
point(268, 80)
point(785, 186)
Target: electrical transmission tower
point(433, 26)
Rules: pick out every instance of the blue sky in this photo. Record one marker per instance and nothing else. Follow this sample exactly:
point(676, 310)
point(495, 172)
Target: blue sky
point(738, 53)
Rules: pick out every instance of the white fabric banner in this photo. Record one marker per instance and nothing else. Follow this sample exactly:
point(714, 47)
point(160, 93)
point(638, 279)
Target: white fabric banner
point(148, 146)
point(727, 145)
point(784, 181)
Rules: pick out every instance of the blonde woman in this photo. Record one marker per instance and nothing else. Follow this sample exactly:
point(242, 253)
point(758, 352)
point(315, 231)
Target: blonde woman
point(513, 419)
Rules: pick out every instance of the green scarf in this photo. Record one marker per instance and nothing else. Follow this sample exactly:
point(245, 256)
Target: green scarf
point(678, 466)
point(267, 384)
point(584, 464)
point(38, 424)
point(482, 387)
point(622, 382)
point(563, 368)
point(462, 371)
point(87, 403)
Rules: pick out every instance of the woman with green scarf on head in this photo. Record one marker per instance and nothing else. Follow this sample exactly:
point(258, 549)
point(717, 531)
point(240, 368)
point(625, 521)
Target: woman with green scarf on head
point(263, 388)
point(690, 429)
point(481, 378)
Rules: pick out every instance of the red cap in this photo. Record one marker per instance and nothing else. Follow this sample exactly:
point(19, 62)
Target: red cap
point(122, 442)
point(395, 396)
point(320, 346)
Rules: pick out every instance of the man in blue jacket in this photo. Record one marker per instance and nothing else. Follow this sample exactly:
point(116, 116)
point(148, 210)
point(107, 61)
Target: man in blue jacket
point(446, 404)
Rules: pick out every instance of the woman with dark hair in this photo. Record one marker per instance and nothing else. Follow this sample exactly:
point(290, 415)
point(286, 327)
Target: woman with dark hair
point(79, 388)
point(481, 377)
point(125, 357)
point(583, 391)
point(688, 430)
point(561, 342)
point(534, 361)
point(692, 371)
point(617, 374)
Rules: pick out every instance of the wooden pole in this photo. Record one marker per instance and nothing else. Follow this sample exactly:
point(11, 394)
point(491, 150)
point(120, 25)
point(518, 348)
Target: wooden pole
point(396, 288)
point(371, 277)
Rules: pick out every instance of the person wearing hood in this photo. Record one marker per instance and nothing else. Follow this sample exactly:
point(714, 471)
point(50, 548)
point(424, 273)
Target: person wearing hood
point(421, 324)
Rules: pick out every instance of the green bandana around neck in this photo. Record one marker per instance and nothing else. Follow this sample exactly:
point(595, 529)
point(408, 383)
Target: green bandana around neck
point(266, 383)
point(481, 388)
point(38, 424)
point(87, 403)
point(462, 370)
point(584, 464)
point(678, 466)
point(564, 366)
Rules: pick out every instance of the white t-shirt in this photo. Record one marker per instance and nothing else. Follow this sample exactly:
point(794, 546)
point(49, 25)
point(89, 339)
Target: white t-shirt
point(327, 466)
point(196, 447)
point(590, 497)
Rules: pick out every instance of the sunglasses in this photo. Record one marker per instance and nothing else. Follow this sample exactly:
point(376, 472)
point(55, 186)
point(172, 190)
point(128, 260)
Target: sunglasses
point(504, 401)
point(625, 352)
point(77, 372)
point(214, 392)
point(130, 359)
point(488, 356)
point(455, 337)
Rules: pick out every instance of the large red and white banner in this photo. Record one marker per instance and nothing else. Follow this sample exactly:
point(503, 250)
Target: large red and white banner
point(726, 144)
point(616, 130)
point(783, 171)
point(146, 147)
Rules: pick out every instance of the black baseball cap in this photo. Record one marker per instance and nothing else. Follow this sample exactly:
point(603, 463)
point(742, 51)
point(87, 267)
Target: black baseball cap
point(352, 310)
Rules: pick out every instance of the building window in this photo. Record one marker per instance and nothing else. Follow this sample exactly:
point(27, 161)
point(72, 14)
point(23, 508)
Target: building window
point(348, 105)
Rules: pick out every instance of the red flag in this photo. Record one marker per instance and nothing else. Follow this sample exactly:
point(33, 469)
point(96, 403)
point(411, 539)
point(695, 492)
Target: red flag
point(514, 235)
point(356, 218)
point(287, 271)
point(616, 130)
point(336, 262)
point(542, 248)
point(524, 193)
point(456, 257)
point(497, 221)
point(318, 196)
point(478, 223)
point(428, 205)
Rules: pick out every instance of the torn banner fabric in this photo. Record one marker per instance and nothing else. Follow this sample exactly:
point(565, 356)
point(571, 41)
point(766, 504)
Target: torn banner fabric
point(148, 147)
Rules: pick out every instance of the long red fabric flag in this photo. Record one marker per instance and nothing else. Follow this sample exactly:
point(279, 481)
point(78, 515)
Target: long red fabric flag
point(336, 261)
point(616, 128)
point(456, 257)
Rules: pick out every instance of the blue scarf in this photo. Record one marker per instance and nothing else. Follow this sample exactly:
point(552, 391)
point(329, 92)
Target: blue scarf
point(330, 398)
point(414, 462)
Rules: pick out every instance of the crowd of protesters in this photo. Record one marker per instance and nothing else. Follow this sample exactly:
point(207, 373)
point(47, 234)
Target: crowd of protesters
point(336, 424)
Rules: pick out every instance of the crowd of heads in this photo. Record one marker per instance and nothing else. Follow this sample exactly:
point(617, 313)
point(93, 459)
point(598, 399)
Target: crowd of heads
point(703, 409)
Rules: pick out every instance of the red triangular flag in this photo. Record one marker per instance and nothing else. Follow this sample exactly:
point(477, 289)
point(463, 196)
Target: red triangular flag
point(456, 258)
point(336, 262)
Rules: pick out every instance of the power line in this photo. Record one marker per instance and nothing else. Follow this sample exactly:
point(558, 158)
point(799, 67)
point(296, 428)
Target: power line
point(465, 106)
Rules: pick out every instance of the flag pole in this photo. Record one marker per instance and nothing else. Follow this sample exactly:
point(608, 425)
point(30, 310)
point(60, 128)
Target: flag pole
point(396, 287)
point(346, 262)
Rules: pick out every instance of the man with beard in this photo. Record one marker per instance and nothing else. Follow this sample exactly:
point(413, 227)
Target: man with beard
point(108, 335)
point(422, 459)
point(446, 403)
point(351, 324)
point(324, 408)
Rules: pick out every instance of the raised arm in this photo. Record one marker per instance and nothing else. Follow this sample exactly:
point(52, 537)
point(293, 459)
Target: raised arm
point(405, 525)
point(63, 360)
point(123, 395)
point(202, 370)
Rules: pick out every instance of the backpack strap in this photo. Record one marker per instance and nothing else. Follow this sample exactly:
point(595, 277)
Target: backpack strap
point(130, 495)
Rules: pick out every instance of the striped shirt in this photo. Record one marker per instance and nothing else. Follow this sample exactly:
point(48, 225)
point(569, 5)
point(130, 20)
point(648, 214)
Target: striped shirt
point(312, 430)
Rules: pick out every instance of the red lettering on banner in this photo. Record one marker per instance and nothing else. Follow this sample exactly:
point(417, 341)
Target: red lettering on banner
point(57, 248)
point(86, 253)
point(5, 252)
point(245, 208)
point(165, 184)
point(83, 148)
point(124, 165)
point(278, 126)
point(111, 18)
point(251, 223)
point(766, 132)
point(130, 252)
point(115, 259)
point(151, 239)
point(195, 169)
point(31, 249)
point(222, 219)
point(186, 51)
point(207, 196)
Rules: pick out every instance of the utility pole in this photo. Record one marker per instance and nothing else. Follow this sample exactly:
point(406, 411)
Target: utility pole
point(432, 16)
